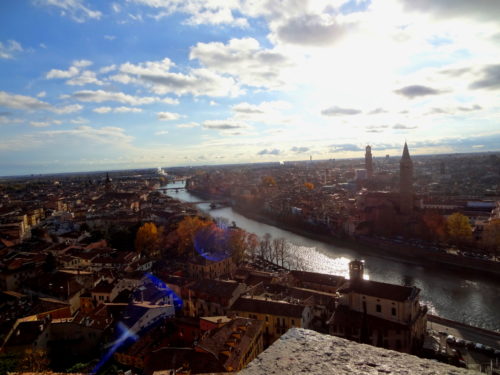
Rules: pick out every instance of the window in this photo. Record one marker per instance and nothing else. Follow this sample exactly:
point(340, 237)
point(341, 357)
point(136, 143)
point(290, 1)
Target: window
point(378, 308)
point(393, 310)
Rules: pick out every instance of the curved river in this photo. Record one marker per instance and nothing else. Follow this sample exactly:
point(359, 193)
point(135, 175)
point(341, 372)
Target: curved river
point(449, 294)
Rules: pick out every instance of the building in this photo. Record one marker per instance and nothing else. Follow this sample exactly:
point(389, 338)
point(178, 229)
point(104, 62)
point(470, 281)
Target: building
point(369, 162)
point(379, 314)
point(235, 344)
point(406, 182)
point(278, 316)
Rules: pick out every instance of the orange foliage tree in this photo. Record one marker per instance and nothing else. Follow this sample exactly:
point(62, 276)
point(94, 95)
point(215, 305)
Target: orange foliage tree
point(435, 225)
point(146, 239)
point(268, 181)
point(187, 230)
point(309, 185)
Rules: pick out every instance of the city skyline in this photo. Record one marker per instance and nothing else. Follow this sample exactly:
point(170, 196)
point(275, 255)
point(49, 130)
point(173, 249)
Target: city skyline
point(88, 85)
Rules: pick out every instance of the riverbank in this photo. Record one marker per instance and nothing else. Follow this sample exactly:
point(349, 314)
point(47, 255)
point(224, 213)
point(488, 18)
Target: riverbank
point(387, 250)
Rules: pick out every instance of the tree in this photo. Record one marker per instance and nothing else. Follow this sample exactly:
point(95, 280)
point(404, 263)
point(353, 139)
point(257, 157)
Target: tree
point(458, 228)
point(264, 250)
point(252, 245)
point(187, 230)
point(280, 250)
point(146, 240)
point(268, 181)
point(309, 185)
point(435, 225)
point(238, 244)
point(491, 236)
point(34, 361)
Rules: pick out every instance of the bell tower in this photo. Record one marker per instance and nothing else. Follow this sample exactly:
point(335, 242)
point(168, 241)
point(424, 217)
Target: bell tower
point(368, 162)
point(406, 182)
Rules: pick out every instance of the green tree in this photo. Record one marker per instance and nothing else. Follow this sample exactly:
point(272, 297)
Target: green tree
point(458, 228)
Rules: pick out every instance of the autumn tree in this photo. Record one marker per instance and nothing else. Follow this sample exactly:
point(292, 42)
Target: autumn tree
point(146, 240)
point(309, 185)
point(34, 361)
point(491, 236)
point(268, 181)
point(187, 230)
point(458, 228)
point(238, 243)
point(435, 225)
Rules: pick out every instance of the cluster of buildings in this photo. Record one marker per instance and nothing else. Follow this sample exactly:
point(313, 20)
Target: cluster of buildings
point(376, 197)
point(76, 297)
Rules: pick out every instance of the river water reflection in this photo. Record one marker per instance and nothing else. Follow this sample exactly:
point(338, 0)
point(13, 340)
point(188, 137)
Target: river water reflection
point(469, 299)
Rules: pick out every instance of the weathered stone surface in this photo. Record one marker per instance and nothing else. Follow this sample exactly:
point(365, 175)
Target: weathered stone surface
point(303, 351)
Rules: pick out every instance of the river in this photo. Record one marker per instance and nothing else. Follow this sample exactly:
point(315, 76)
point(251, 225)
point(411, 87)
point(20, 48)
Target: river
point(449, 294)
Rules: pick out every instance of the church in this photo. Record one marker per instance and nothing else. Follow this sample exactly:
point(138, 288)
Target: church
point(388, 212)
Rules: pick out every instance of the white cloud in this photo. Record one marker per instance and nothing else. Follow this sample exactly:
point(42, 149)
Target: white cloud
point(167, 116)
point(57, 73)
point(75, 75)
point(67, 109)
point(85, 78)
point(188, 125)
point(28, 103)
point(201, 11)
point(41, 94)
point(102, 109)
point(75, 9)
point(117, 110)
point(224, 124)
point(40, 124)
point(245, 59)
point(110, 37)
point(10, 49)
point(156, 75)
point(107, 69)
point(127, 110)
point(99, 96)
point(161, 132)
point(79, 121)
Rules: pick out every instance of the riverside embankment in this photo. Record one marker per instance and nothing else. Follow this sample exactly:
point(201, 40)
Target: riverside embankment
point(457, 295)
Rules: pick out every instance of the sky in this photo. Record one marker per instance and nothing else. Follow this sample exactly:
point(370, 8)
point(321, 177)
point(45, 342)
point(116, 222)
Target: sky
point(102, 85)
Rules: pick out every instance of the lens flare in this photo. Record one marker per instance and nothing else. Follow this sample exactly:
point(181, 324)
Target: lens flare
point(124, 335)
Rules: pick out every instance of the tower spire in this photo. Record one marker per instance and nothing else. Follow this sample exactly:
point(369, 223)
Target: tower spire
point(406, 153)
point(406, 182)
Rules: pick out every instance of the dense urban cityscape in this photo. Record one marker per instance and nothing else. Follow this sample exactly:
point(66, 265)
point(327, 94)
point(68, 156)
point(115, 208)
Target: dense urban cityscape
point(110, 270)
point(203, 187)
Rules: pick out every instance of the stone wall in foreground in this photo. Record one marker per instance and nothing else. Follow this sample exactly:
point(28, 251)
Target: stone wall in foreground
point(300, 351)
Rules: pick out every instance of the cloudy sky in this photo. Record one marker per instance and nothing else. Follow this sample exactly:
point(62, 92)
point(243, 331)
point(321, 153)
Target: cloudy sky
point(96, 85)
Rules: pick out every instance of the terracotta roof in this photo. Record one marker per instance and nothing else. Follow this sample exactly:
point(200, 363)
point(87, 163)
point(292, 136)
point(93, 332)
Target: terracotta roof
point(259, 306)
point(318, 278)
point(174, 358)
point(381, 290)
point(215, 287)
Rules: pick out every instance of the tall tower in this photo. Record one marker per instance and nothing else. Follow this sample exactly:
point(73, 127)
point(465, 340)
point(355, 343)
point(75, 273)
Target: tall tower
point(369, 162)
point(406, 182)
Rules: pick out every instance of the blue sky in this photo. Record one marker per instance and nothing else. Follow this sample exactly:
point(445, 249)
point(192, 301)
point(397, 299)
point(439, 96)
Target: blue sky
point(96, 85)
